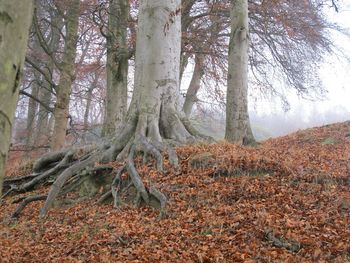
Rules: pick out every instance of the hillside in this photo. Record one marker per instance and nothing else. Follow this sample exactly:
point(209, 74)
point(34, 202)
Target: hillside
point(284, 200)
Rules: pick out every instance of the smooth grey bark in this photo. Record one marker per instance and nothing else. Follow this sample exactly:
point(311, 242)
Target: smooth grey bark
point(154, 112)
point(238, 128)
point(15, 20)
point(67, 75)
point(156, 92)
point(191, 95)
point(117, 67)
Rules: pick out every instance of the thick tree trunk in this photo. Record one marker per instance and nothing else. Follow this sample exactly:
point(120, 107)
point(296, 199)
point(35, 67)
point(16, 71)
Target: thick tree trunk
point(191, 95)
point(238, 128)
point(117, 67)
point(67, 76)
point(15, 20)
point(157, 71)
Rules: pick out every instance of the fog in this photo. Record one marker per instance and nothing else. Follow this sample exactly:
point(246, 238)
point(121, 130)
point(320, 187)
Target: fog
point(278, 124)
point(268, 114)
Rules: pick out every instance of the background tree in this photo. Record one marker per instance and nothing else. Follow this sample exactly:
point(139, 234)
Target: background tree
point(275, 45)
point(15, 20)
point(238, 128)
point(67, 70)
point(117, 66)
point(50, 50)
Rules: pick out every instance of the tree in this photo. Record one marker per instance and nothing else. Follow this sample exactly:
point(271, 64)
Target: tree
point(117, 66)
point(15, 20)
point(49, 49)
point(238, 128)
point(287, 38)
point(67, 70)
point(191, 95)
point(153, 123)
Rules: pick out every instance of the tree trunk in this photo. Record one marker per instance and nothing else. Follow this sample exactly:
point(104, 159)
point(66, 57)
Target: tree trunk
point(183, 63)
point(154, 111)
point(32, 112)
point(191, 95)
point(88, 103)
point(15, 20)
point(45, 94)
point(32, 104)
point(43, 130)
point(156, 91)
point(117, 67)
point(67, 70)
point(238, 128)
point(185, 23)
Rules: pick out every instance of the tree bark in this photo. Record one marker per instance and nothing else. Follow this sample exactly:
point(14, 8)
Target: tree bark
point(238, 128)
point(15, 20)
point(67, 76)
point(117, 67)
point(191, 95)
point(158, 48)
point(154, 109)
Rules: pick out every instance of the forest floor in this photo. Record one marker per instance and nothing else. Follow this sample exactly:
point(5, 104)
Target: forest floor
point(284, 200)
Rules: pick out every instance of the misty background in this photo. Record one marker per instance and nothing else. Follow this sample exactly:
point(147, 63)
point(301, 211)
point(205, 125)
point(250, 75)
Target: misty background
point(271, 116)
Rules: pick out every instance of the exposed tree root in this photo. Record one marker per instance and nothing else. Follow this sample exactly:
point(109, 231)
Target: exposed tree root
point(142, 134)
point(25, 202)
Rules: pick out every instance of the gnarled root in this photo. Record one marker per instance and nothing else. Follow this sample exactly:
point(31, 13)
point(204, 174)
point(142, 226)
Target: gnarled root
point(142, 134)
point(149, 196)
point(25, 202)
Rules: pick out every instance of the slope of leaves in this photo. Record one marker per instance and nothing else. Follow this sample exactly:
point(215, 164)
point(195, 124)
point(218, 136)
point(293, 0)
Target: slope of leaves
point(244, 207)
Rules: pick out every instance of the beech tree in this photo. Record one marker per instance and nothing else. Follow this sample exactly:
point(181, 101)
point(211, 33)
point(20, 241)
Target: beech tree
point(286, 38)
point(15, 20)
point(154, 123)
point(67, 74)
point(191, 95)
point(117, 66)
point(42, 61)
point(238, 128)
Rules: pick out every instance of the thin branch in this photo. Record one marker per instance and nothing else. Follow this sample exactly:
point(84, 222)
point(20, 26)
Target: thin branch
point(48, 108)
